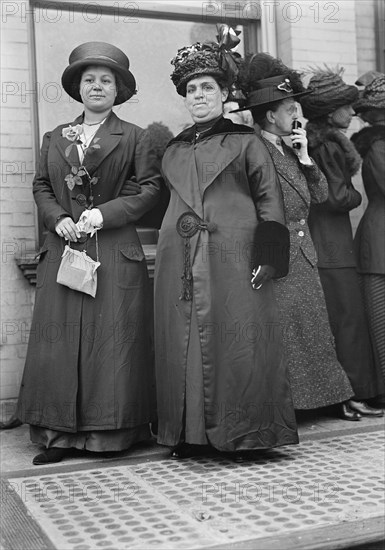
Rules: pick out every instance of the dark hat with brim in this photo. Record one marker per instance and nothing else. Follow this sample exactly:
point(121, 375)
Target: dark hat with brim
point(328, 93)
point(104, 55)
point(269, 91)
point(373, 97)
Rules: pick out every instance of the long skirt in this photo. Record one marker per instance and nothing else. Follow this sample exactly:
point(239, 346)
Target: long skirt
point(344, 302)
point(317, 379)
point(374, 299)
point(95, 441)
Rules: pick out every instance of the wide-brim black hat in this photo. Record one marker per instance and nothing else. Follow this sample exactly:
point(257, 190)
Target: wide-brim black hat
point(328, 93)
point(101, 54)
point(270, 91)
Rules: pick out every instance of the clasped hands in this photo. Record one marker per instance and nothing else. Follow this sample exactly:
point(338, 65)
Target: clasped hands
point(89, 222)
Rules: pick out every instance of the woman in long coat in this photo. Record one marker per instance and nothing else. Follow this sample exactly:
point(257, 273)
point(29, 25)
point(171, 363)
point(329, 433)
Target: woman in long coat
point(88, 380)
point(317, 378)
point(370, 236)
point(221, 374)
point(329, 110)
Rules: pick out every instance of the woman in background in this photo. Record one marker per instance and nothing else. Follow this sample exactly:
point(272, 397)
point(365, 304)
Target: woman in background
point(370, 236)
point(317, 379)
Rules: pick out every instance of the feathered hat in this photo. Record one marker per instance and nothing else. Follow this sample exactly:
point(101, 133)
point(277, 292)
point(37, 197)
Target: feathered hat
point(265, 80)
point(101, 54)
point(207, 58)
point(373, 97)
point(328, 93)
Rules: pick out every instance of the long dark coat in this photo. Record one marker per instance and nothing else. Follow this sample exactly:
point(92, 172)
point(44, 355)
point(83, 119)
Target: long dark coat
point(317, 378)
point(227, 178)
point(369, 240)
point(88, 365)
point(332, 234)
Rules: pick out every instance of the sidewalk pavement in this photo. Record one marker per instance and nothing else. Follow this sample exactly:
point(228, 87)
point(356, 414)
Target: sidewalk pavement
point(326, 493)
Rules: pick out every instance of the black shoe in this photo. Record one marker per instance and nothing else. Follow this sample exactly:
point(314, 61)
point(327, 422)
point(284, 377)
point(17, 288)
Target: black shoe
point(51, 455)
point(241, 456)
point(346, 413)
point(364, 409)
point(185, 450)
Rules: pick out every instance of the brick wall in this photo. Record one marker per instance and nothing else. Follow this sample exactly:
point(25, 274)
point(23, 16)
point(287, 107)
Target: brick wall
point(17, 205)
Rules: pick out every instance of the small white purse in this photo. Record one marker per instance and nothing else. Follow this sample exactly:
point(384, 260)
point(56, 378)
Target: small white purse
point(78, 271)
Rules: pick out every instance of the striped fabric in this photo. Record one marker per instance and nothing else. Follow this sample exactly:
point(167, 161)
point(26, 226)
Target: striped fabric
point(374, 296)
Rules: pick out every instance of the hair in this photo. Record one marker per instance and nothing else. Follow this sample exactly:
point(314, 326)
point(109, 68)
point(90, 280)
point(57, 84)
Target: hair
point(222, 82)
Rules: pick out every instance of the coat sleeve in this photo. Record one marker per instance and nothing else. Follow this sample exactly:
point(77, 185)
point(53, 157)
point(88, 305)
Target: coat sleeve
point(272, 241)
point(123, 210)
point(316, 182)
point(49, 208)
point(342, 195)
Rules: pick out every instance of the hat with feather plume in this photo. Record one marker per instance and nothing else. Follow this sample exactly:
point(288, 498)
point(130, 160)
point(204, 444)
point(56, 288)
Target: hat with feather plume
point(265, 80)
point(208, 58)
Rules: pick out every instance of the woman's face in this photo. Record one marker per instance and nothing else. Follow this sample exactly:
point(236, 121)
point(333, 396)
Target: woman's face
point(341, 117)
point(281, 120)
point(204, 98)
point(98, 88)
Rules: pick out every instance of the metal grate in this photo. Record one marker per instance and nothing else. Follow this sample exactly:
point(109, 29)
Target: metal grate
point(210, 501)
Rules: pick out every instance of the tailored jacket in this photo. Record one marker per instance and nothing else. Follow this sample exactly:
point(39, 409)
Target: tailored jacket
point(227, 179)
point(88, 364)
point(370, 236)
point(329, 222)
point(302, 185)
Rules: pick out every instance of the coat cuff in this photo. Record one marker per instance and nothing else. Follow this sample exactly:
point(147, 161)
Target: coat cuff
point(272, 242)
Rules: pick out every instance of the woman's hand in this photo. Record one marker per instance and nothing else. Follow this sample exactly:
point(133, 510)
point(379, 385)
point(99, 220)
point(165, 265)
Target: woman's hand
point(299, 136)
point(67, 229)
point(261, 275)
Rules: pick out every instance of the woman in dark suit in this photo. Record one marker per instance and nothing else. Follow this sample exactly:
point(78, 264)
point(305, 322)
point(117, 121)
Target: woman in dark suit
point(87, 382)
point(370, 236)
point(329, 110)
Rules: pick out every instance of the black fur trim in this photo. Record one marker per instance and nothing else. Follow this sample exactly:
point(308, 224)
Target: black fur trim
point(222, 126)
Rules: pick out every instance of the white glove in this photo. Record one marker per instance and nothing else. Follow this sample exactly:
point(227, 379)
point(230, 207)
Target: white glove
point(90, 221)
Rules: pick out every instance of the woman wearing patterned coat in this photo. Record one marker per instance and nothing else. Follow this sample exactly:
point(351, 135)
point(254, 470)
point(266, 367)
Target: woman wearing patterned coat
point(317, 378)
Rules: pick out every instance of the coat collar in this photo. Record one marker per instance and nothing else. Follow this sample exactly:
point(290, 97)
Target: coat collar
point(281, 163)
point(180, 161)
point(222, 126)
point(109, 134)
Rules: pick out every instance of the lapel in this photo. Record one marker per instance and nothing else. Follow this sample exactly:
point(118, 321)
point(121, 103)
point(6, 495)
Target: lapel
point(213, 159)
point(109, 134)
point(63, 143)
point(288, 169)
point(180, 170)
point(192, 167)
